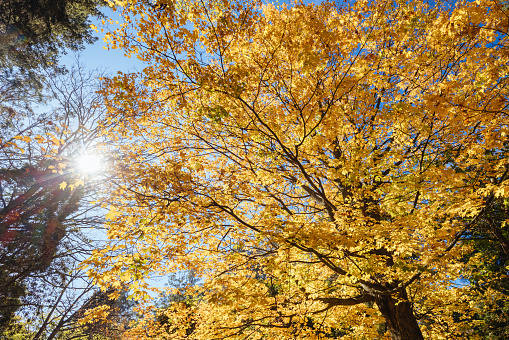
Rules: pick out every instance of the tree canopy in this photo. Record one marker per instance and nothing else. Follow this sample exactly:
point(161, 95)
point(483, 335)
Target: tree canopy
point(33, 35)
point(322, 168)
point(48, 118)
point(47, 205)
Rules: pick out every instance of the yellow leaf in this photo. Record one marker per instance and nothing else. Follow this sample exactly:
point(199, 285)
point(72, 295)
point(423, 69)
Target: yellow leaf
point(112, 214)
point(307, 155)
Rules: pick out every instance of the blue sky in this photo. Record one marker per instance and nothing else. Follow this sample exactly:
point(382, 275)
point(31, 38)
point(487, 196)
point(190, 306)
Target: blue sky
point(96, 57)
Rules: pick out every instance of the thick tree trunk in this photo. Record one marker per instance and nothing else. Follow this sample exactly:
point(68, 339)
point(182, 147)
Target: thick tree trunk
point(399, 316)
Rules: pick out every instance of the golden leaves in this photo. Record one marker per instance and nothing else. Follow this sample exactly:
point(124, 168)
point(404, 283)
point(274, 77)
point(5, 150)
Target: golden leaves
point(95, 314)
point(112, 214)
point(304, 147)
point(23, 138)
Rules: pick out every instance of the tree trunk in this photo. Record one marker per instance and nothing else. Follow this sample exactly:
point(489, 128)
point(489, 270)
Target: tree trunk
point(399, 316)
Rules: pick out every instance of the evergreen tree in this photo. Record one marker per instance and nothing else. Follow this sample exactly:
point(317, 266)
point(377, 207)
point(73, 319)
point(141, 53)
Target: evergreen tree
point(33, 34)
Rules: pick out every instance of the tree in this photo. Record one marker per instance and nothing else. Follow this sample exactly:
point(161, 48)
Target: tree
point(70, 316)
point(487, 271)
point(315, 165)
point(45, 202)
point(158, 320)
point(38, 217)
point(33, 34)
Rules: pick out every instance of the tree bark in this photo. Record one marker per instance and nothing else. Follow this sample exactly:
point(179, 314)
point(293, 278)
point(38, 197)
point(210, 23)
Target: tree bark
point(399, 316)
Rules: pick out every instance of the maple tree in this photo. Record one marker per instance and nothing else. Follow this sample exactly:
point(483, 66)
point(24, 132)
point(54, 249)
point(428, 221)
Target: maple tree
point(322, 168)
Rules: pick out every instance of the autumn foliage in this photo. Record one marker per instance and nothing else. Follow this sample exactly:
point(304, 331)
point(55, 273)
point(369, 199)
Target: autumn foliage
point(322, 167)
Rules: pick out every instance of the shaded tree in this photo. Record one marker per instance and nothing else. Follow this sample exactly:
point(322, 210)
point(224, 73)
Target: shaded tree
point(33, 35)
point(45, 201)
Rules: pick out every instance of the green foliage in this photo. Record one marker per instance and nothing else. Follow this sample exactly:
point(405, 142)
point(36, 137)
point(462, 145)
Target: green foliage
point(488, 274)
point(33, 33)
point(48, 24)
point(180, 284)
point(493, 319)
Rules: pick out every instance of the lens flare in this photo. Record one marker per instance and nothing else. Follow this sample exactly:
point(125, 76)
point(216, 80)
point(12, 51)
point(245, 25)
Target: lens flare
point(89, 164)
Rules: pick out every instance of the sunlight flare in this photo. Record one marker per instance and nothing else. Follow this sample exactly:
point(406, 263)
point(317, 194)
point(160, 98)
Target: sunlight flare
point(89, 163)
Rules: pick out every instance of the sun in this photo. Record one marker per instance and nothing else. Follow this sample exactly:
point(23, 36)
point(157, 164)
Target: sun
point(89, 163)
